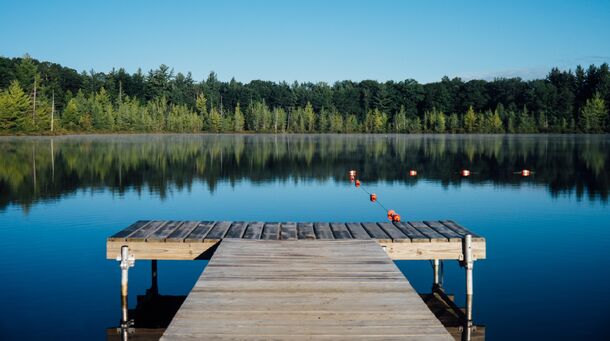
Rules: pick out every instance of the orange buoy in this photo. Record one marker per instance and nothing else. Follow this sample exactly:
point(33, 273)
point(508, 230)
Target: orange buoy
point(352, 175)
point(357, 183)
point(373, 197)
point(396, 218)
point(465, 172)
point(526, 172)
point(391, 214)
point(412, 172)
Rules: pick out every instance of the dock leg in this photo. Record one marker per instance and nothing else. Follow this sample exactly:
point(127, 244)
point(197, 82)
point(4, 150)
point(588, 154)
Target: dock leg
point(126, 261)
point(468, 265)
point(154, 287)
point(436, 270)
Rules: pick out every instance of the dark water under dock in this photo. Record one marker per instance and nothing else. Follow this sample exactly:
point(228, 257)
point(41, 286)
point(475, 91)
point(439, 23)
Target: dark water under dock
point(547, 235)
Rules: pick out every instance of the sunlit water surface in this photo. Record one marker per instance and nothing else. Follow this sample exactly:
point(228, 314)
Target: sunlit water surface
point(545, 277)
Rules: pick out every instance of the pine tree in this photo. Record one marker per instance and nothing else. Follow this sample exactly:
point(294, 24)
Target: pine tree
point(215, 121)
point(453, 123)
point(439, 122)
point(400, 121)
point(202, 110)
point(495, 123)
point(70, 117)
point(238, 119)
point(593, 114)
point(15, 109)
point(470, 120)
point(310, 118)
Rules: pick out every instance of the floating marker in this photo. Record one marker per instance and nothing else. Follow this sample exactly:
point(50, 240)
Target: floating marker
point(465, 172)
point(373, 197)
point(352, 175)
point(396, 218)
point(526, 172)
point(391, 214)
point(357, 183)
point(412, 172)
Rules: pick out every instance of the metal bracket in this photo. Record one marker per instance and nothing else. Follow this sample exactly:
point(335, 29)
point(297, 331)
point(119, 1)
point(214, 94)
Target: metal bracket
point(127, 260)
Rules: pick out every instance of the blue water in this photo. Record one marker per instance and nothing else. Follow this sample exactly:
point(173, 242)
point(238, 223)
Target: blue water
point(545, 277)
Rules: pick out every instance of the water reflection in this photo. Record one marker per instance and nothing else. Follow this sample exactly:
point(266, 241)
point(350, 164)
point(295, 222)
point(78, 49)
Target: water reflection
point(45, 168)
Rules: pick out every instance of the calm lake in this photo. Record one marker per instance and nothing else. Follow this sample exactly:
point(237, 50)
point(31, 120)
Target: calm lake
point(546, 275)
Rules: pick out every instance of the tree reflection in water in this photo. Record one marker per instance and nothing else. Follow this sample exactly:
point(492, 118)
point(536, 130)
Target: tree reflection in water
point(44, 168)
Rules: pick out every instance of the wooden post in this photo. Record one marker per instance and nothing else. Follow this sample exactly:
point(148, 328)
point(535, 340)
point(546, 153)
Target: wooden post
point(468, 265)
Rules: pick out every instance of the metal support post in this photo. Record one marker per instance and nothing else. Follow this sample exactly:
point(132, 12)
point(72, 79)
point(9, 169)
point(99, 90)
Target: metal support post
point(126, 261)
point(468, 265)
point(436, 270)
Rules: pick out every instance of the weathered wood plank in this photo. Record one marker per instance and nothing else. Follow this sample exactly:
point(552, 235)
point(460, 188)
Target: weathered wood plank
point(271, 231)
point(288, 231)
point(254, 230)
point(199, 232)
point(320, 289)
point(305, 231)
point(182, 232)
point(163, 232)
point(218, 231)
point(392, 231)
point(428, 232)
point(357, 231)
point(462, 230)
point(340, 231)
point(411, 232)
point(236, 230)
point(323, 231)
point(444, 230)
point(121, 235)
point(143, 232)
point(376, 232)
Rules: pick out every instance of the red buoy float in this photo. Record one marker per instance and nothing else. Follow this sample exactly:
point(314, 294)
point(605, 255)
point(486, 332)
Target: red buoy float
point(526, 172)
point(391, 214)
point(352, 175)
point(373, 197)
point(396, 218)
point(357, 183)
point(465, 172)
point(412, 172)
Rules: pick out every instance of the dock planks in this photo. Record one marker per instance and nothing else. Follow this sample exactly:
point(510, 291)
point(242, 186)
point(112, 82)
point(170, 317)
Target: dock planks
point(191, 239)
point(303, 290)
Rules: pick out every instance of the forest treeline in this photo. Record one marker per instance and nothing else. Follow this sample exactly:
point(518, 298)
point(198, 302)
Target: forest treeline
point(42, 97)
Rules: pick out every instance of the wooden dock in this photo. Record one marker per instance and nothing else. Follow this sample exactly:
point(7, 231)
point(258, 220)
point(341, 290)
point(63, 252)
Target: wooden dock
point(314, 281)
point(297, 290)
point(188, 240)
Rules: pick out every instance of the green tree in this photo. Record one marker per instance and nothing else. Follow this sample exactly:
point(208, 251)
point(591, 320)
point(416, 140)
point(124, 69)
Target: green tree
point(215, 123)
point(336, 123)
point(593, 114)
point(495, 123)
point(15, 109)
point(399, 123)
point(238, 119)
point(470, 120)
point(309, 117)
point(453, 123)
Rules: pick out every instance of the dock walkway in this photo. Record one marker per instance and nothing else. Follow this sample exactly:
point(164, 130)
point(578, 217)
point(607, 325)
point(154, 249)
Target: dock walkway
point(296, 290)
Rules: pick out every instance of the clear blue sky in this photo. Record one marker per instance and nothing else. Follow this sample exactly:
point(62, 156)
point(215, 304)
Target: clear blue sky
point(312, 40)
